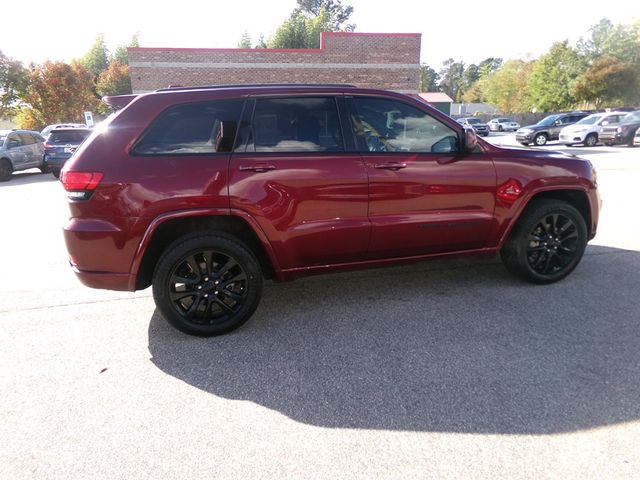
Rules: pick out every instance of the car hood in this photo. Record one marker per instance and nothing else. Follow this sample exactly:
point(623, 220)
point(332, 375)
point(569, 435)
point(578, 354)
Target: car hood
point(577, 128)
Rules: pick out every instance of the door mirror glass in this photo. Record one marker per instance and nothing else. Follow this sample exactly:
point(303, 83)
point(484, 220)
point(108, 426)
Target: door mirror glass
point(470, 140)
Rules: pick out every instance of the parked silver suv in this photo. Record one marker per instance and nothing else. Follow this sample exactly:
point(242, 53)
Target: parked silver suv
point(20, 150)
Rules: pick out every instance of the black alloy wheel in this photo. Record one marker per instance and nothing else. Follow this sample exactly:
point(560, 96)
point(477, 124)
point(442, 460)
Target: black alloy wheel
point(547, 243)
point(207, 284)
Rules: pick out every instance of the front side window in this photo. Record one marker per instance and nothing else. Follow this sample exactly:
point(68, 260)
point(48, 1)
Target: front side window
point(296, 125)
point(192, 128)
point(383, 125)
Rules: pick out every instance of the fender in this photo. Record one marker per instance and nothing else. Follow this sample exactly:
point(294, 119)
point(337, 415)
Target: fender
point(523, 201)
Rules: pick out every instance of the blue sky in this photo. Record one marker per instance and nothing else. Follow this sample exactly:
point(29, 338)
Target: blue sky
point(464, 30)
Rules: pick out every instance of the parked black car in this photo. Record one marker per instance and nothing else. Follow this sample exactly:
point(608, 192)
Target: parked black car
point(60, 145)
point(478, 125)
point(548, 128)
point(621, 133)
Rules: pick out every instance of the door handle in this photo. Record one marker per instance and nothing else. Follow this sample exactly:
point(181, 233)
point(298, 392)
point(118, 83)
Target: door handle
point(390, 166)
point(258, 167)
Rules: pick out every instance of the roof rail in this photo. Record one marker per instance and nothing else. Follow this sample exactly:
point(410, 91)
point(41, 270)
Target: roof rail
point(253, 85)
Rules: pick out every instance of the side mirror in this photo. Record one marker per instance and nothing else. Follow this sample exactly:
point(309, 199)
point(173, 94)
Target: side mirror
point(606, 122)
point(557, 122)
point(470, 140)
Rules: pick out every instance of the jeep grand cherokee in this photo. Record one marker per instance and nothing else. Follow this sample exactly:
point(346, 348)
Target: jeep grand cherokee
point(203, 192)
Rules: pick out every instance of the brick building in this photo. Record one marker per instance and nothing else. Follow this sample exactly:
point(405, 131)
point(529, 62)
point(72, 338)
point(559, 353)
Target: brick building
point(376, 60)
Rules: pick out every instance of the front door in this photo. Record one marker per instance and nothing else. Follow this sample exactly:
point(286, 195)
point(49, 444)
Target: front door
point(425, 196)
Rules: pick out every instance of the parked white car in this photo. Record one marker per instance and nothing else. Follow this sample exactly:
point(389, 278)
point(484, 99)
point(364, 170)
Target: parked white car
point(636, 139)
point(586, 130)
point(503, 125)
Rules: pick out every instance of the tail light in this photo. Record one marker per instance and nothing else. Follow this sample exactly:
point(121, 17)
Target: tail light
point(48, 146)
point(80, 185)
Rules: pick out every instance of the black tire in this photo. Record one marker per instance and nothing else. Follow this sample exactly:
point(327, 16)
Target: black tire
point(6, 169)
point(500, 129)
point(55, 172)
point(608, 144)
point(207, 284)
point(547, 243)
point(540, 139)
point(524, 143)
point(591, 140)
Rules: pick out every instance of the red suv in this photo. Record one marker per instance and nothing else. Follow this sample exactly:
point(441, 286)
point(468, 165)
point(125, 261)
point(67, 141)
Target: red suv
point(203, 192)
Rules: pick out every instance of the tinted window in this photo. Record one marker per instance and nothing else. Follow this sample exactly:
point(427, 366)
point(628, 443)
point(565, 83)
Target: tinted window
point(27, 139)
point(68, 136)
point(590, 120)
point(390, 126)
point(296, 125)
point(192, 128)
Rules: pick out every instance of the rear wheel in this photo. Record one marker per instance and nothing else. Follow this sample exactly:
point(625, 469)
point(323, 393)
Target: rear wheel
point(591, 140)
point(6, 169)
point(540, 139)
point(547, 243)
point(55, 172)
point(206, 284)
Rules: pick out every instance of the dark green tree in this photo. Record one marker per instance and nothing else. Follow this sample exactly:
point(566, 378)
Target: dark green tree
point(609, 82)
point(338, 14)
point(122, 54)
point(489, 65)
point(428, 79)
point(550, 86)
point(96, 60)
point(303, 27)
point(13, 84)
point(451, 79)
point(245, 40)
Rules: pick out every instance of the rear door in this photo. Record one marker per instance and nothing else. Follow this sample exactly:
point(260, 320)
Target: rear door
point(293, 173)
point(425, 196)
point(17, 151)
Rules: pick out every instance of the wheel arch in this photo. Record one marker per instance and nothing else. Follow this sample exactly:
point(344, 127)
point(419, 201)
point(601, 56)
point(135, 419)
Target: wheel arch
point(165, 231)
point(577, 198)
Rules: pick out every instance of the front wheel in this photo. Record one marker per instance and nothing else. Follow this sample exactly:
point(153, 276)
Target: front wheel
point(547, 243)
point(207, 284)
point(540, 139)
point(6, 169)
point(591, 140)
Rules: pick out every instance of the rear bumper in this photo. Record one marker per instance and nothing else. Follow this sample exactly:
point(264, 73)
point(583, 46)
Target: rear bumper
point(104, 280)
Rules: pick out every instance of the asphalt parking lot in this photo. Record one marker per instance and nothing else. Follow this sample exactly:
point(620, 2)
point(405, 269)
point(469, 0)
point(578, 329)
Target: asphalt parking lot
point(442, 369)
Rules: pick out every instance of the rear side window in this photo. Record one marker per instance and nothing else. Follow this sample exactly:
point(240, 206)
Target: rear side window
point(193, 128)
point(296, 125)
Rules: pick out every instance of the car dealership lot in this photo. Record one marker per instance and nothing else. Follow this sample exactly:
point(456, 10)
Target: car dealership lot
point(438, 369)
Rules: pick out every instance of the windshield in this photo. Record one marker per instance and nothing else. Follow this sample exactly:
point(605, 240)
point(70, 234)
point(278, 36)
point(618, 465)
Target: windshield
point(590, 120)
point(545, 122)
point(474, 121)
point(632, 117)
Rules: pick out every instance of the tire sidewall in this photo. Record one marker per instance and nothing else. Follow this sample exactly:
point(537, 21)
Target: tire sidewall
point(189, 245)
